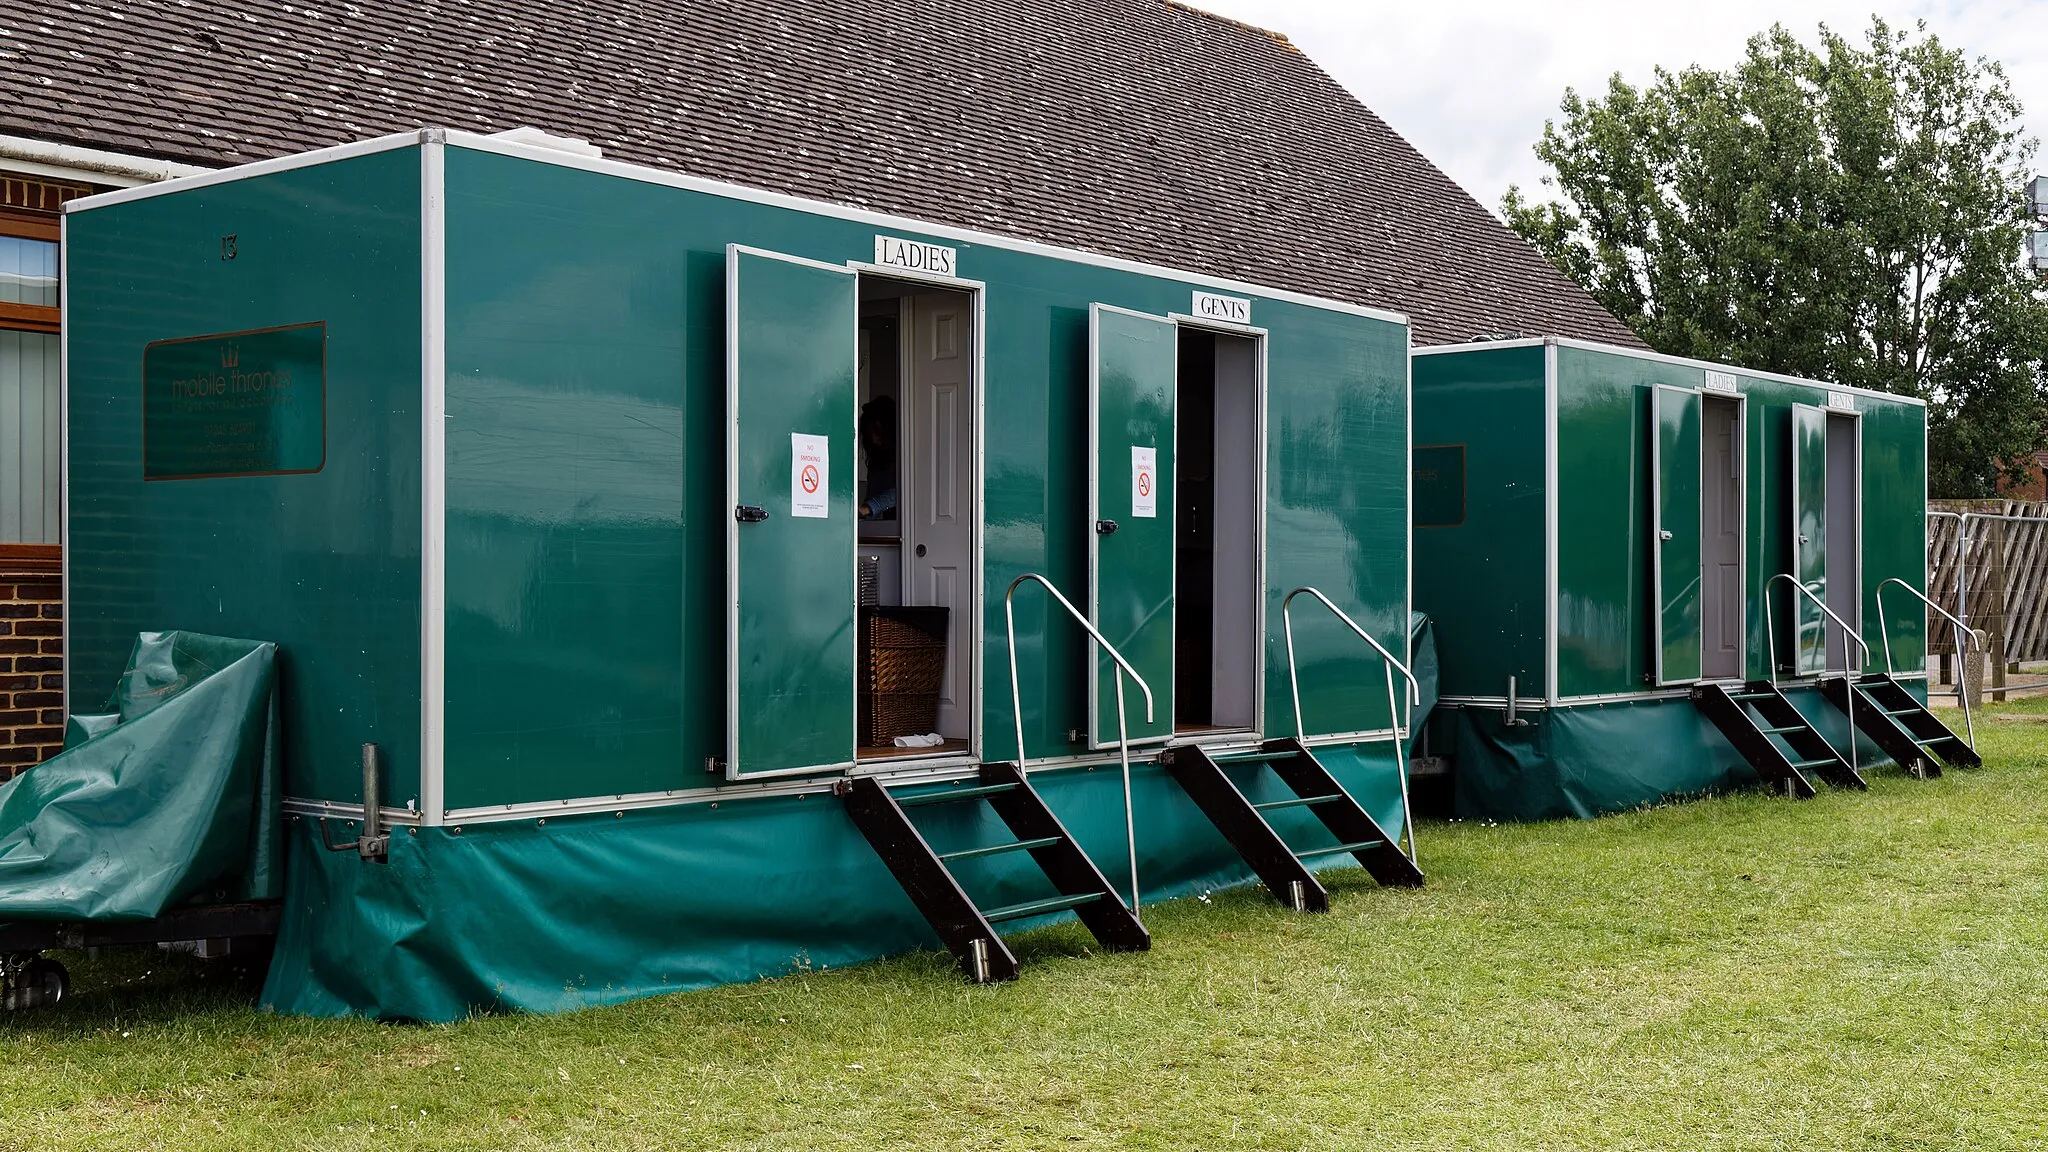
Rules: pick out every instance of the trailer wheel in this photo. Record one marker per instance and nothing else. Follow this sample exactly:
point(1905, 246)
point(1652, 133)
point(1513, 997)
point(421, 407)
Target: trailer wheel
point(47, 982)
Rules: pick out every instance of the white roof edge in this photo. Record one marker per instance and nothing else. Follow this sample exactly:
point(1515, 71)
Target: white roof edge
point(597, 164)
point(86, 165)
point(1664, 358)
point(207, 177)
point(1479, 345)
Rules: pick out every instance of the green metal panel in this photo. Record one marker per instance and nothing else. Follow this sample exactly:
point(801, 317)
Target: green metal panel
point(1809, 509)
point(1894, 532)
point(1675, 465)
point(325, 563)
point(1606, 642)
point(1130, 578)
point(1479, 575)
point(587, 505)
point(1606, 637)
point(790, 398)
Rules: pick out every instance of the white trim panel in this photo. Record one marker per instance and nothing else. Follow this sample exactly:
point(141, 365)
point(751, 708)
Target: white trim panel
point(203, 178)
point(433, 482)
point(1662, 358)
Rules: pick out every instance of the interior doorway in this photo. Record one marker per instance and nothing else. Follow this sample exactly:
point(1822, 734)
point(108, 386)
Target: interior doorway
point(1844, 526)
point(1218, 546)
point(1721, 526)
point(918, 508)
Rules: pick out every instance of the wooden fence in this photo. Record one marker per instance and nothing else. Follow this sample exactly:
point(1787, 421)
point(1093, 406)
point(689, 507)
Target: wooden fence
point(2007, 565)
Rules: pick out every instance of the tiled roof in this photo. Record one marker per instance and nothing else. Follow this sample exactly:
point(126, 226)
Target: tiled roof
point(1135, 128)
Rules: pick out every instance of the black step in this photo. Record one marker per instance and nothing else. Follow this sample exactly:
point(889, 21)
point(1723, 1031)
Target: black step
point(997, 849)
point(1297, 802)
point(1255, 841)
point(1349, 822)
point(1900, 726)
point(1730, 711)
point(1039, 907)
point(953, 796)
point(967, 931)
point(1333, 849)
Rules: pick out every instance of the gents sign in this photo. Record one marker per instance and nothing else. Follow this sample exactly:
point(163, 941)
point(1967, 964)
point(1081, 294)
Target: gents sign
point(1229, 309)
point(915, 255)
point(239, 404)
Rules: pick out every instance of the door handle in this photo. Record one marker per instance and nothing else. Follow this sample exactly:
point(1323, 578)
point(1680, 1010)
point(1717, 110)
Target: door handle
point(1105, 527)
point(750, 513)
point(1803, 539)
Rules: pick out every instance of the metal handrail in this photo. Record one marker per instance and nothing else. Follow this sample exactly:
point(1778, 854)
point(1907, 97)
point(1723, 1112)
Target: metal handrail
point(1963, 632)
point(1123, 743)
point(1848, 633)
point(1391, 664)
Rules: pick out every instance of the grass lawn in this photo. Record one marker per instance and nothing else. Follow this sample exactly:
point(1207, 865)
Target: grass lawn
point(1854, 972)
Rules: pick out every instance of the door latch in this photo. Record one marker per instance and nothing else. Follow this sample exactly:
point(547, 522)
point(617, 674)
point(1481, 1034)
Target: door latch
point(1105, 527)
point(750, 513)
point(1664, 535)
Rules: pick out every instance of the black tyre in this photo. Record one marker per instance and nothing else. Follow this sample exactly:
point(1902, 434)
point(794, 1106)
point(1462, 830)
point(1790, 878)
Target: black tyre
point(51, 983)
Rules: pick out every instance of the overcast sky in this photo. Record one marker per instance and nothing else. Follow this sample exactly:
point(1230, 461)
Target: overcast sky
point(1470, 82)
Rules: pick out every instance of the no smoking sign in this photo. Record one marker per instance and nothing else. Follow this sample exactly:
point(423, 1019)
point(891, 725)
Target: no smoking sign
point(808, 467)
point(1144, 482)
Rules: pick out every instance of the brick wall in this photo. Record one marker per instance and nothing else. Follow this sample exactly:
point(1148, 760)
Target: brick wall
point(31, 668)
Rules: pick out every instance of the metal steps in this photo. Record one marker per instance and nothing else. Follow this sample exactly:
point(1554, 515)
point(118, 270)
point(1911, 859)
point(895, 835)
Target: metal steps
point(968, 930)
point(1243, 823)
point(1899, 725)
point(1773, 737)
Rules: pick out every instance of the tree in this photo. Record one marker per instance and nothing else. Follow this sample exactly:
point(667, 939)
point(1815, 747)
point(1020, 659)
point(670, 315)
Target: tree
point(1853, 213)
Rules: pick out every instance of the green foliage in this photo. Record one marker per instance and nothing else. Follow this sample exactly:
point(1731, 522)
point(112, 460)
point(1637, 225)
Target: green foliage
point(1852, 213)
point(1860, 972)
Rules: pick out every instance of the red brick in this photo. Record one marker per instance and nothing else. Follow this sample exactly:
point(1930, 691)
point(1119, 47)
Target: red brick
point(38, 627)
point(38, 663)
point(17, 717)
point(15, 647)
point(54, 681)
point(39, 591)
point(38, 699)
point(38, 735)
point(53, 611)
point(18, 683)
point(53, 646)
point(7, 592)
point(19, 611)
point(19, 756)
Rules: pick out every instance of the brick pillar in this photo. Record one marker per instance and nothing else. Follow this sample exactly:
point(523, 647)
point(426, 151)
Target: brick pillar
point(31, 668)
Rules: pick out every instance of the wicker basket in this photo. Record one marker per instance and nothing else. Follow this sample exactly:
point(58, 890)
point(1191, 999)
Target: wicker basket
point(902, 667)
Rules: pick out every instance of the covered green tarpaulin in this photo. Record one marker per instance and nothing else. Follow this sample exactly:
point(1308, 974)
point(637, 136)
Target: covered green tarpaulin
point(169, 798)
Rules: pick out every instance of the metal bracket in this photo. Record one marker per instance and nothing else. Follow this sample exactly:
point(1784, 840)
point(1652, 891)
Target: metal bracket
point(373, 844)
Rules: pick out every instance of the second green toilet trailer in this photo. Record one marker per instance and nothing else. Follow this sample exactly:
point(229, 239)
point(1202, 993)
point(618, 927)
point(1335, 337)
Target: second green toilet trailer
point(614, 507)
point(1599, 538)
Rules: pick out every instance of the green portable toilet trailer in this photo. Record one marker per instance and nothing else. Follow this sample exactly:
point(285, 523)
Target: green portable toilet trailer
point(627, 515)
point(1599, 538)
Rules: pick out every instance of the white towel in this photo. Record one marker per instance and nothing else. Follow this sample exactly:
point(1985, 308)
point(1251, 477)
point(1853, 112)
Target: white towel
point(928, 740)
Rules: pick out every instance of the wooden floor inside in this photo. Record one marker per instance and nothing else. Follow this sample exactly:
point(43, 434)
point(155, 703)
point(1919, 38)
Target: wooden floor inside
point(949, 748)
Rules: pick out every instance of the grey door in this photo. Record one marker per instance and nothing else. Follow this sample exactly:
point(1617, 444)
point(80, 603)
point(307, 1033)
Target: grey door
point(1721, 521)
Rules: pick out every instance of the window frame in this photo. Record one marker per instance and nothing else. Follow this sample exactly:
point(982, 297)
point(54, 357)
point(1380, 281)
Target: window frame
point(24, 225)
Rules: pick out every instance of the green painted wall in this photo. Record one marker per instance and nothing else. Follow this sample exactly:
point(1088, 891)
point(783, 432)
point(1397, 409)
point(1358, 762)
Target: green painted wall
point(327, 563)
point(586, 484)
point(1481, 579)
point(1604, 492)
